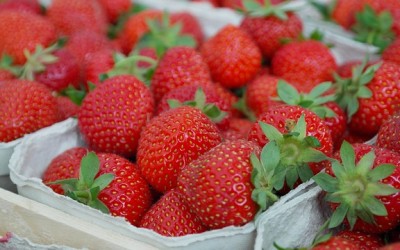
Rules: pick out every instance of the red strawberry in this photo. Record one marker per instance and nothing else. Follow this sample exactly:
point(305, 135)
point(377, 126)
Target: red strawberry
point(32, 6)
point(270, 27)
point(344, 12)
point(135, 27)
point(57, 69)
point(232, 56)
point(23, 30)
point(77, 15)
point(389, 133)
point(25, 107)
point(364, 241)
point(66, 108)
point(362, 188)
point(172, 140)
point(373, 99)
point(112, 116)
point(64, 166)
point(392, 52)
point(179, 66)
point(218, 187)
point(171, 216)
point(96, 64)
point(335, 243)
point(391, 246)
point(119, 189)
point(229, 97)
point(190, 25)
point(307, 63)
point(115, 8)
point(239, 128)
point(259, 94)
point(302, 140)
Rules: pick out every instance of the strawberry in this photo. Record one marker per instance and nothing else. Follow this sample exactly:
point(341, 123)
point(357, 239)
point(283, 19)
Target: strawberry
point(307, 63)
point(391, 6)
point(115, 8)
point(373, 96)
point(335, 243)
point(260, 93)
point(112, 116)
point(269, 25)
point(344, 12)
point(391, 246)
point(96, 64)
point(361, 186)
point(25, 107)
point(171, 216)
point(301, 138)
point(172, 140)
point(135, 27)
point(229, 97)
point(392, 52)
point(107, 182)
point(232, 56)
point(364, 241)
point(77, 15)
point(389, 134)
point(31, 6)
point(179, 66)
point(218, 186)
point(190, 25)
point(66, 108)
point(207, 101)
point(23, 30)
point(239, 128)
point(55, 68)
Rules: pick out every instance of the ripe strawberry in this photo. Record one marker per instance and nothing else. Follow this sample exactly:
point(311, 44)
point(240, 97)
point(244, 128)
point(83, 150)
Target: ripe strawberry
point(190, 25)
point(270, 27)
point(55, 68)
point(207, 101)
point(392, 52)
point(96, 64)
point(77, 15)
point(25, 107)
point(112, 116)
point(373, 97)
point(178, 67)
point(389, 134)
point(23, 30)
point(232, 56)
point(362, 188)
point(66, 108)
point(218, 187)
point(115, 8)
point(239, 128)
point(344, 12)
point(259, 93)
point(172, 140)
point(229, 97)
point(171, 216)
point(32, 6)
point(107, 182)
point(364, 241)
point(307, 63)
point(335, 243)
point(301, 138)
point(391, 246)
point(6, 75)
point(135, 27)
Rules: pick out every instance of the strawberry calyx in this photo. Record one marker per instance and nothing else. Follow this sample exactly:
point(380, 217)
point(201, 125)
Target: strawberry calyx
point(355, 187)
point(6, 63)
point(210, 109)
point(163, 35)
point(295, 150)
point(128, 65)
point(349, 90)
point(374, 28)
point(314, 100)
point(255, 9)
point(86, 188)
point(36, 62)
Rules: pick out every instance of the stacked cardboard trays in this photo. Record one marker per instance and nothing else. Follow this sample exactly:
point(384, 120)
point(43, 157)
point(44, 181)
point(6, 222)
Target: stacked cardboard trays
point(293, 221)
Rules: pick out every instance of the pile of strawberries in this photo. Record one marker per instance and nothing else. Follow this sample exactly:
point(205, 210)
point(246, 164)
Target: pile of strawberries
point(186, 133)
